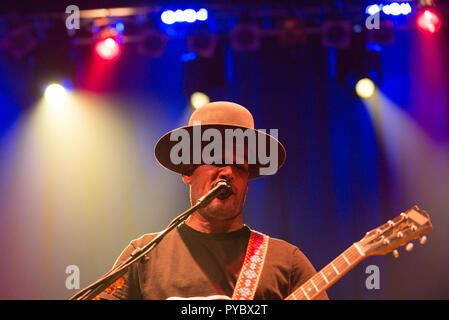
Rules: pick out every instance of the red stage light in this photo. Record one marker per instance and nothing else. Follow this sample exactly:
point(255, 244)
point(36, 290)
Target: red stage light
point(428, 21)
point(108, 49)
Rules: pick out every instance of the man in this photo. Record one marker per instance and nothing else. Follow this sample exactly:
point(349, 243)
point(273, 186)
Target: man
point(213, 254)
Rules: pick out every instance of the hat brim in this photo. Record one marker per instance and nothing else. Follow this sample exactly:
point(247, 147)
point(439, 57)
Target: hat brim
point(165, 145)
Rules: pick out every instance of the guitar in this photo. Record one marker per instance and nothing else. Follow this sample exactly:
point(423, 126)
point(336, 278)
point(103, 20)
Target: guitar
point(410, 225)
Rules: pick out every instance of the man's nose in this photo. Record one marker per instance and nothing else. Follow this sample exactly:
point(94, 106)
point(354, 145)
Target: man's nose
point(226, 172)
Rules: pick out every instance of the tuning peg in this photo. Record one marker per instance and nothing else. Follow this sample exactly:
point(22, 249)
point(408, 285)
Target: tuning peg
point(423, 239)
point(395, 253)
point(409, 246)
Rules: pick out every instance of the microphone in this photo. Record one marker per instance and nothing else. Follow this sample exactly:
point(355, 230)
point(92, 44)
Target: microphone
point(221, 189)
point(226, 189)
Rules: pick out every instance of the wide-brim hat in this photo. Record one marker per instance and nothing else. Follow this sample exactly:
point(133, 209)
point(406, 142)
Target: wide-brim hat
point(224, 117)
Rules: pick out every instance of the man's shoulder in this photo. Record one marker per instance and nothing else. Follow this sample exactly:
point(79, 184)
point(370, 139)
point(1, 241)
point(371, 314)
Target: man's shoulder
point(134, 244)
point(143, 240)
point(279, 244)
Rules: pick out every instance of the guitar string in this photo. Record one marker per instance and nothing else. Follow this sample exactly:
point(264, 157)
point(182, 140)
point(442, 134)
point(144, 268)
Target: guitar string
point(352, 254)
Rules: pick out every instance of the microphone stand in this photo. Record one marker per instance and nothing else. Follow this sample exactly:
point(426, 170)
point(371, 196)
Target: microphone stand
point(106, 280)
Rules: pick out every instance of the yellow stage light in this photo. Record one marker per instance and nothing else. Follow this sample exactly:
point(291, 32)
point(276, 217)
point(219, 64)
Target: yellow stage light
point(365, 88)
point(199, 99)
point(55, 93)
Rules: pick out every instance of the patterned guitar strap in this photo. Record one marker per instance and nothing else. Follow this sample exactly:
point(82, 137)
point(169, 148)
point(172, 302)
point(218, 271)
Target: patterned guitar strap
point(248, 280)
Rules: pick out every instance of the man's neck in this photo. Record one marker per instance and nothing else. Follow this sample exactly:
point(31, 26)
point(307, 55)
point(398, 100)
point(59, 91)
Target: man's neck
point(199, 223)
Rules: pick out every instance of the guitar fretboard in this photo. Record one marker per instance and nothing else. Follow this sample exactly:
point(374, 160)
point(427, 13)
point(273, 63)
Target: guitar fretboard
point(329, 274)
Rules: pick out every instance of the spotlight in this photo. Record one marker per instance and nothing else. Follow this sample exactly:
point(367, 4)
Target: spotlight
point(19, 42)
point(203, 44)
point(394, 9)
point(373, 9)
point(292, 32)
point(188, 15)
point(365, 88)
point(428, 21)
point(153, 43)
point(188, 56)
point(55, 93)
point(199, 99)
point(108, 49)
point(245, 37)
point(383, 36)
point(336, 34)
point(119, 26)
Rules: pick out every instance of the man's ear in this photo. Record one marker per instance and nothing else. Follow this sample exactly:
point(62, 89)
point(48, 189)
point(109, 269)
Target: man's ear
point(186, 179)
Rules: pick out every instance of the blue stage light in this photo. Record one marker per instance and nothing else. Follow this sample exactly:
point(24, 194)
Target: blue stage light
point(188, 56)
point(187, 15)
point(373, 9)
point(120, 26)
point(168, 17)
point(202, 15)
point(394, 8)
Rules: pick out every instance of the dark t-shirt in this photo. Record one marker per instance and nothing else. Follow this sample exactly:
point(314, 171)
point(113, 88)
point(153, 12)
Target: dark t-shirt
point(188, 263)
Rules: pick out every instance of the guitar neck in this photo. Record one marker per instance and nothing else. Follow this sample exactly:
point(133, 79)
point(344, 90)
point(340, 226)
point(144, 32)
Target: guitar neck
point(329, 274)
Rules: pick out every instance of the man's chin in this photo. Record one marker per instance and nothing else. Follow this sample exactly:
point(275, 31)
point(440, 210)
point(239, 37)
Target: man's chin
point(221, 209)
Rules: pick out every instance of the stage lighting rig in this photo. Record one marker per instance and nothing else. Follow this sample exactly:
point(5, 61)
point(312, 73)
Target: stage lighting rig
point(385, 35)
point(108, 37)
point(152, 43)
point(203, 44)
point(292, 32)
point(245, 37)
point(19, 42)
point(336, 33)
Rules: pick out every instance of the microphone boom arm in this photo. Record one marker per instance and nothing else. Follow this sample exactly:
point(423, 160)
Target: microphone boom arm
point(105, 281)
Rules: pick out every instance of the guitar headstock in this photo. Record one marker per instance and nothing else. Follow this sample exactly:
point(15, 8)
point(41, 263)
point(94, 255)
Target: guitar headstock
point(409, 225)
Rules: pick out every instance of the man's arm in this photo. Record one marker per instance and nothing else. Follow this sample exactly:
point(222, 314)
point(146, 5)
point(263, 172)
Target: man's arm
point(131, 288)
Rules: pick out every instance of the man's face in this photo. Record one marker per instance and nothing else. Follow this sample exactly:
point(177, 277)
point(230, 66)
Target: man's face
point(205, 176)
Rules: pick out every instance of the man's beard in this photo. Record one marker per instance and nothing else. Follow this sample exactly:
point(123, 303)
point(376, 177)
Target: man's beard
point(220, 211)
